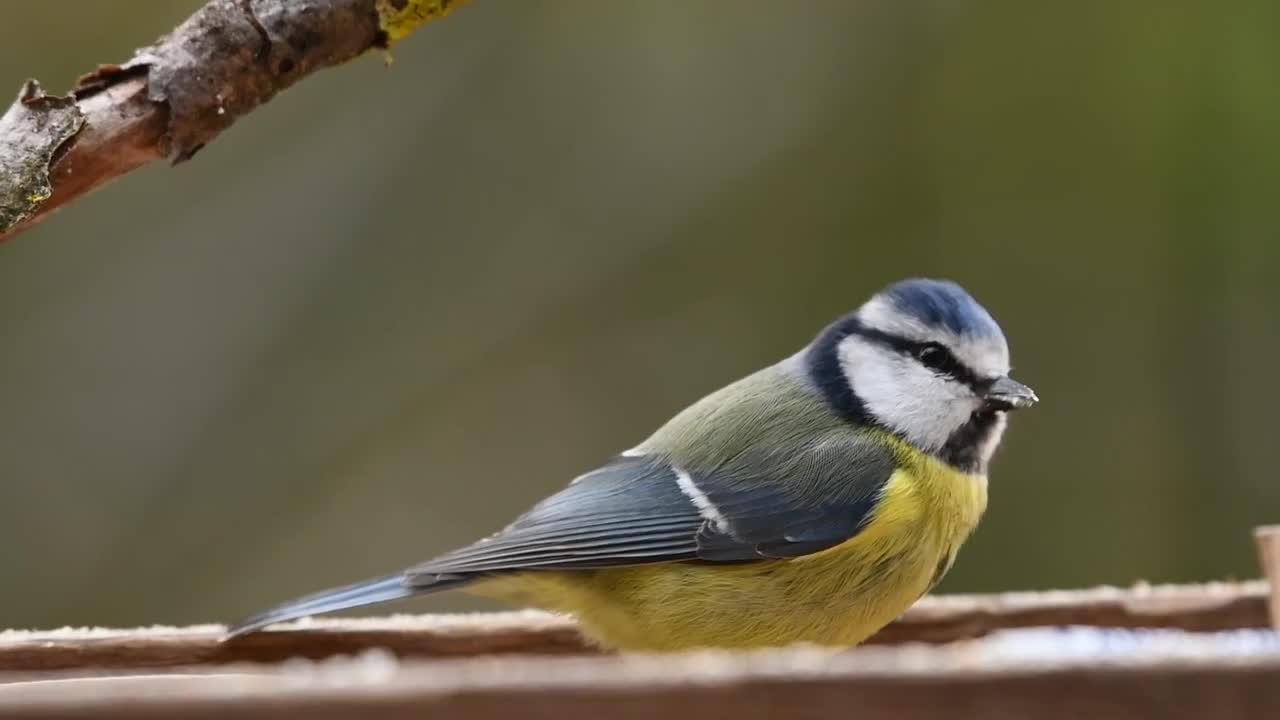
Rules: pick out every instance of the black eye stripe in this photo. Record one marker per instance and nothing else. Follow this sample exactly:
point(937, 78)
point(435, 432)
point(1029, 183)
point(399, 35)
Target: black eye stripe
point(939, 359)
point(932, 355)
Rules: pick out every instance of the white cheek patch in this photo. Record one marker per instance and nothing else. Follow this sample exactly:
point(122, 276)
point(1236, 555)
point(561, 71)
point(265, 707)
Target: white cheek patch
point(907, 397)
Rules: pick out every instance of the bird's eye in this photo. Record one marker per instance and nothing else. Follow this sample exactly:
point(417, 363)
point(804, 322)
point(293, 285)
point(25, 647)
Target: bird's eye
point(935, 357)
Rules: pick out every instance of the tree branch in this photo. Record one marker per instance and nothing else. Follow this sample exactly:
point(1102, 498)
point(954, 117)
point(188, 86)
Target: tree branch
point(173, 98)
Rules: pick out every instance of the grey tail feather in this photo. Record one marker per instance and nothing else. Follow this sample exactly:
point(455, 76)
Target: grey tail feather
point(368, 592)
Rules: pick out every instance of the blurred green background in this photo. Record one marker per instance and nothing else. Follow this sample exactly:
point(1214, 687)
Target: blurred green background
point(389, 310)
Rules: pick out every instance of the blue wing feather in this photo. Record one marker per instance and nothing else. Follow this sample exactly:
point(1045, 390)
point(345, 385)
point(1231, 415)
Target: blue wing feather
point(367, 592)
point(633, 510)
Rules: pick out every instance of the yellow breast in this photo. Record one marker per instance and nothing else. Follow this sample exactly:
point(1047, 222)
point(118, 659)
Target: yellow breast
point(839, 596)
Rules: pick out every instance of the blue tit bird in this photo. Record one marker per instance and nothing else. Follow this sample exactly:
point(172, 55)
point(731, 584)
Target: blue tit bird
point(812, 501)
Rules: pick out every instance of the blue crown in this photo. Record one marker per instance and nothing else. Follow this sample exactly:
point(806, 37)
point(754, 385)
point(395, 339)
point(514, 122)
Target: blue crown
point(942, 303)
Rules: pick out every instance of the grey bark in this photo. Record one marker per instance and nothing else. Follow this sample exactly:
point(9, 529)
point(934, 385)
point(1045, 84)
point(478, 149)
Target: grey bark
point(171, 98)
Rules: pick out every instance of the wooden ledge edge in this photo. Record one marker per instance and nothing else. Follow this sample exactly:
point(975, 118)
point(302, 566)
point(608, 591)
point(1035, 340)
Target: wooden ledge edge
point(1267, 538)
point(1198, 608)
point(1082, 667)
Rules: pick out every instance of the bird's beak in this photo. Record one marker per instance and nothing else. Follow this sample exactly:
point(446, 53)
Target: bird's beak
point(1008, 394)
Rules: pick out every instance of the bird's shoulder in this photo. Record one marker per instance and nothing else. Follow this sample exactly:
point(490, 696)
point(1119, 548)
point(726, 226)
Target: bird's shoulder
point(760, 469)
point(778, 410)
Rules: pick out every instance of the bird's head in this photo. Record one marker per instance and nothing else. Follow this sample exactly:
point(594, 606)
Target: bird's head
point(923, 360)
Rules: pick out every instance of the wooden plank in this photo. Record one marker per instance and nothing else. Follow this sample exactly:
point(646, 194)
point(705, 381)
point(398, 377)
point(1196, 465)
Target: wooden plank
point(426, 636)
point(1268, 539)
point(1199, 608)
point(1014, 674)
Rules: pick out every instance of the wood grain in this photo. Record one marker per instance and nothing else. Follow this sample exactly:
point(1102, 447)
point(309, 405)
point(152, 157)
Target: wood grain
point(1198, 608)
point(997, 678)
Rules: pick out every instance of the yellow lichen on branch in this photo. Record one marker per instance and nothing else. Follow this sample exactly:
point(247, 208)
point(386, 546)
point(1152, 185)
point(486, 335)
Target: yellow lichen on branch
point(398, 18)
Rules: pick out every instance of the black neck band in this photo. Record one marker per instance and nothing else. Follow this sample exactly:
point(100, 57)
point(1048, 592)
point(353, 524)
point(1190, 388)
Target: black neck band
point(963, 448)
point(823, 363)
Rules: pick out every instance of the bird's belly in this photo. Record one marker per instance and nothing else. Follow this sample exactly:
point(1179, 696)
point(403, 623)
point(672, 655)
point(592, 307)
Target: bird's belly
point(839, 596)
point(858, 589)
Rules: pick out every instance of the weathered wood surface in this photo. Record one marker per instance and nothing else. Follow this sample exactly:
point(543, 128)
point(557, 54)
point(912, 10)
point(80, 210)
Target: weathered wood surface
point(1083, 673)
point(1268, 540)
point(1198, 608)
